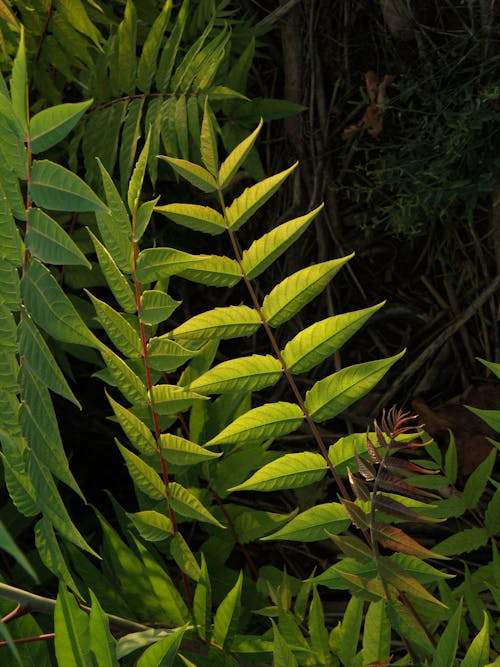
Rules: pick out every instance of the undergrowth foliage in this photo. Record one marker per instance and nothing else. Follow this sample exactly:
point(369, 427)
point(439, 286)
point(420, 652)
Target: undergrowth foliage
point(199, 434)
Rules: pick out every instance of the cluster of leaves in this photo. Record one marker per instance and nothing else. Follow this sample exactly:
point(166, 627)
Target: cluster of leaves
point(198, 432)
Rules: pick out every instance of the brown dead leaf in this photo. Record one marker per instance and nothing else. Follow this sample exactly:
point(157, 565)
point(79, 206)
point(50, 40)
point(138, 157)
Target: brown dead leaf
point(373, 118)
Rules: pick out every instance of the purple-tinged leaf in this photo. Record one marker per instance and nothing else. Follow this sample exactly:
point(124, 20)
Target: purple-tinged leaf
point(365, 468)
point(359, 487)
point(397, 540)
point(390, 482)
point(358, 517)
point(404, 464)
point(370, 447)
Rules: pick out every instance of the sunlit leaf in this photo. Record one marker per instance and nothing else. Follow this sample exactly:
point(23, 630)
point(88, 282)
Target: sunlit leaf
point(226, 322)
point(259, 424)
point(290, 471)
point(312, 524)
point(333, 394)
point(294, 292)
point(244, 374)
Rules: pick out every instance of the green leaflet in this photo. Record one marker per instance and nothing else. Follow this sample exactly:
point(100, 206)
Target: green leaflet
point(184, 557)
point(181, 126)
point(227, 615)
point(131, 134)
point(196, 175)
point(164, 651)
point(19, 85)
point(101, 138)
point(136, 431)
point(9, 286)
point(51, 555)
point(243, 207)
point(168, 399)
point(244, 374)
point(169, 53)
point(313, 524)
point(39, 425)
point(35, 352)
point(157, 263)
point(446, 650)
point(102, 642)
point(114, 226)
point(317, 628)
point(11, 248)
point(51, 309)
point(264, 251)
point(149, 588)
point(494, 368)
point(135, 184)
point(215, 271)
point(21, 490)
point(71, 627)
point(200, 218)
point(477, 481)
point(333, 394)
point(153, 120)
point(143, 475)
point(126, 52)
point(156, 306)
point(267, 421)
point(290, 471)
point(202, 602)
point(167, 355)
point(294, 292)
point(51, 504)
point(152, 526)
point(313, 345)
point(208, 141)
point(222, 323)
point(253, 524)
point(122, 334)
point(47, 241)
point(376, 633)
point(478, 652)
point(49, 126)
point(118, 284)
point(282, 654)
point(147, 62)
point(7, 544)
point(187, 505)
point(491, 417)
point(236, 158)
point(130, 385)
point(180, 451)
point(462, 542)
point(144, 213)
point(59, 189)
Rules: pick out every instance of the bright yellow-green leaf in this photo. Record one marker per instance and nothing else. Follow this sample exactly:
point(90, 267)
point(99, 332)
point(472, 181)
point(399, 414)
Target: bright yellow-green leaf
point(118, 284)
point(272, 245)
point(200, 218)
point(143, 475)
point(294, 292)
point(236, 158)
point(259, 424)
point(312, 524)
point(180, 451)
point(333, 394)
point(244, 374)
point(290, 471)
point(313, 345)
point(252, 198)
point(168, 399)
point(223, 323)
point(188, 505)
point(196, 175)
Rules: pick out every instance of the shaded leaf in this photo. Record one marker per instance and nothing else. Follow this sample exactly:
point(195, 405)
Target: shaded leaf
point(54, 187)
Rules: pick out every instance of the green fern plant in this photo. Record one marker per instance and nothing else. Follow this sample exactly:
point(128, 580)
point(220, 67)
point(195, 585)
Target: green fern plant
point(198, 432)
